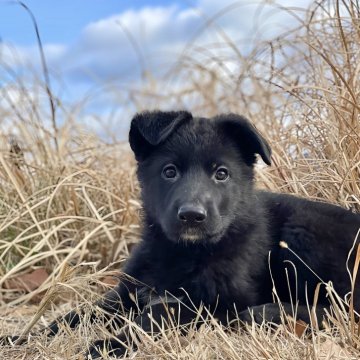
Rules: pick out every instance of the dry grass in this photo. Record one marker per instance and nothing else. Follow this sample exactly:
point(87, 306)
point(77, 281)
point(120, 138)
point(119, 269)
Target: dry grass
point(69, 201)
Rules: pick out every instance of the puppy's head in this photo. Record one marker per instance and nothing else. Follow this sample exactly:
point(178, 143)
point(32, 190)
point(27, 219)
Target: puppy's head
point(196, 174)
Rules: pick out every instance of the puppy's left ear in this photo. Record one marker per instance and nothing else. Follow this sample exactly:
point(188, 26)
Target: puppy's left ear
point(150, 128)
point(245, 135)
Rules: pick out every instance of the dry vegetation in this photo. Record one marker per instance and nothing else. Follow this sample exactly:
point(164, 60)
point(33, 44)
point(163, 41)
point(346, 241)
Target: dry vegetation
point(69, 201)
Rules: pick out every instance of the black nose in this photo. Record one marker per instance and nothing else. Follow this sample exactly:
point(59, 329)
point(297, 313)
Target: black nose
point(191, 214)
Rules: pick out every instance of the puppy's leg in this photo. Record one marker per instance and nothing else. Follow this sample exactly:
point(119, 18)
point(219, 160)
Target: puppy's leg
point(115, 304)
point(156, 317)
point(72, 319)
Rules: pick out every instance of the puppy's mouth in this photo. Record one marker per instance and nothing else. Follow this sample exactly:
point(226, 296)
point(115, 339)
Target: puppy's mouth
point(191, 235)
point(196, 235)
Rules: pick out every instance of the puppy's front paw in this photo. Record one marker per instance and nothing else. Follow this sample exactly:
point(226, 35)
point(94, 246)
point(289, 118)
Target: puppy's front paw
point(108, 347)
point(11, 340)
point(95, 351)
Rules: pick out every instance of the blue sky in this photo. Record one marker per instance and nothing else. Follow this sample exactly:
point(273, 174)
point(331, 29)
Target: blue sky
point(89, 44)
point(59, 20)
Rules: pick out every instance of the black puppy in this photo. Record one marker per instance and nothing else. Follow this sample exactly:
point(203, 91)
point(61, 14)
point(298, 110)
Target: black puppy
point(207, 233)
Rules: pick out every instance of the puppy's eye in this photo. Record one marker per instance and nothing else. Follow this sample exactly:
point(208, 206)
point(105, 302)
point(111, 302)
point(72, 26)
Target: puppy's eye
point(221, 174)
point(169, 171)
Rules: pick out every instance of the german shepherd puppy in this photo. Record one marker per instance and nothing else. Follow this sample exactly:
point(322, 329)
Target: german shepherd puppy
point(209, 238)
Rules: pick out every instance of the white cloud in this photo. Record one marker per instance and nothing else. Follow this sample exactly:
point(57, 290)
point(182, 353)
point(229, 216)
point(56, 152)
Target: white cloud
point(104, 50)
point(118, 45)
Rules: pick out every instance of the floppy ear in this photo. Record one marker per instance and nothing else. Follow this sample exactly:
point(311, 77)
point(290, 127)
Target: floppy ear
point(150, 128)
point(246, 137)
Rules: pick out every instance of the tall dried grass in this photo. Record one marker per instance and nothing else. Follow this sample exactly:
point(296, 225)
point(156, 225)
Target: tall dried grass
point(69, 201)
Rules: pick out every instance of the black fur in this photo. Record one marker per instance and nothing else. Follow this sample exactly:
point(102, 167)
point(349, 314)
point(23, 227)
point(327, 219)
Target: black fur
point(216, 251)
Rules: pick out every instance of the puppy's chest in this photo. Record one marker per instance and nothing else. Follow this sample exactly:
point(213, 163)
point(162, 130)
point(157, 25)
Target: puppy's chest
point(208, 279)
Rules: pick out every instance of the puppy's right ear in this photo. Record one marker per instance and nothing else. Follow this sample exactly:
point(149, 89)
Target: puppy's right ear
point(150, 128)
